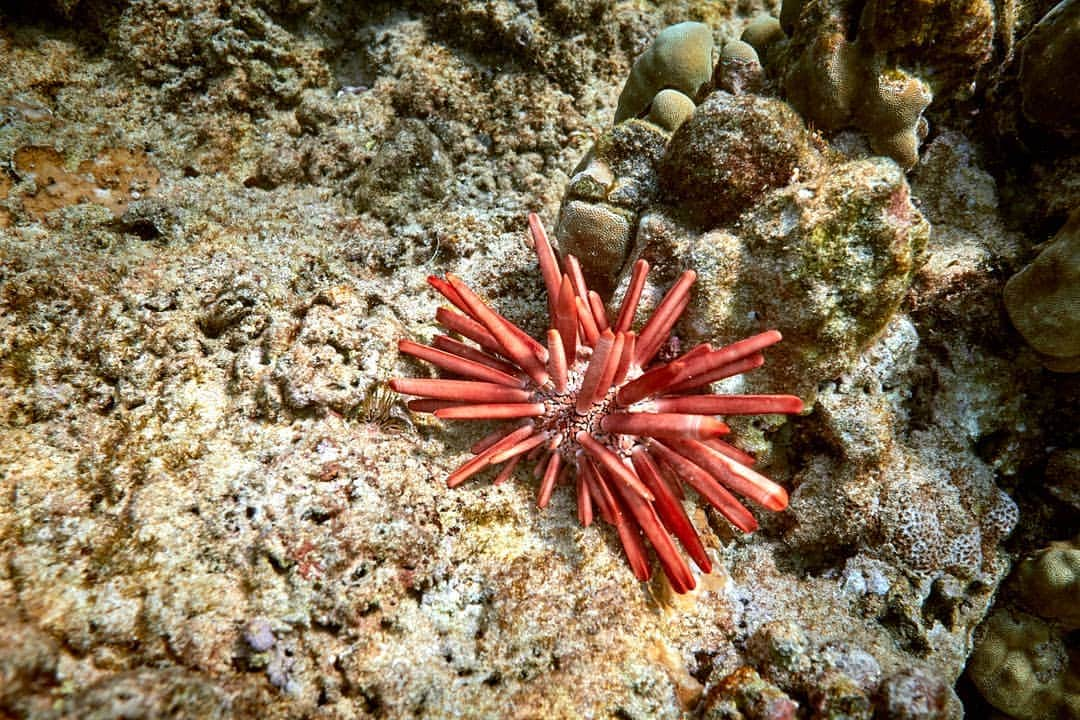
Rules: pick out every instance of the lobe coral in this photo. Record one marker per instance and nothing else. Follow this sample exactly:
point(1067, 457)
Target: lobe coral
point(595, 409)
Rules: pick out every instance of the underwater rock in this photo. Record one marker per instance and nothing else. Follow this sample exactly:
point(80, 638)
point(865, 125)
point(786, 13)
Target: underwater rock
point(114, 178)
point(146, 694)
point(1049, 74)
point(680, 57)
point(1021, 666)
point(234, 55)
point(732, 151)
point(323, 363)
point(410, 170)
point(912, 694)
point(632, 150)
point(745, 695)
point(904, 497)
point(1043, 300)
point(838, 678)
point(545, 37)
point(1063, 475)
point(933, 522)
point(28, 660)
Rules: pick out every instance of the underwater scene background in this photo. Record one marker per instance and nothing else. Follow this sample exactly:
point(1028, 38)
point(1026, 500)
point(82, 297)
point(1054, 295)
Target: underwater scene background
point(217, 222)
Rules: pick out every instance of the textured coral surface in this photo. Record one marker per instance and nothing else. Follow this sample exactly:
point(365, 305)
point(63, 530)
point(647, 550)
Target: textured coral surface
point(216, 223)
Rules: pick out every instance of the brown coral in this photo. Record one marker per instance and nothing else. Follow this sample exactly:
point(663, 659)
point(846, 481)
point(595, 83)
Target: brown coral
point(1043, 300)
point(836, 83)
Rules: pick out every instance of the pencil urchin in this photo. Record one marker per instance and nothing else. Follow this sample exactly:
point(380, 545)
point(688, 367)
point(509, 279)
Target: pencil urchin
point(594, 405)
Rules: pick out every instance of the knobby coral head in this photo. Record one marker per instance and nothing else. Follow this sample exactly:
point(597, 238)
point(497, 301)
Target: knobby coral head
point(593, 408)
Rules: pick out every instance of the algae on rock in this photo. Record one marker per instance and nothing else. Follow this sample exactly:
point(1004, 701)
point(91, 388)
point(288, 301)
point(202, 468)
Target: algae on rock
point(826, 261)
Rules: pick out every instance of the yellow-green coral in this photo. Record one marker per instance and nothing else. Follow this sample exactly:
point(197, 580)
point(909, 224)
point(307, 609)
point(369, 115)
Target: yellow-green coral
point(739, 69)
point(681, 57)
point(890, 111)
point(823, 82)
point(1049, 583)
point(670, 109)
point(1021, 666)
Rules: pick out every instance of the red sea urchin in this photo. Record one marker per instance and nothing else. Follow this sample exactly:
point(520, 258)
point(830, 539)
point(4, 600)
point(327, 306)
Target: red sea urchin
point(633, 436)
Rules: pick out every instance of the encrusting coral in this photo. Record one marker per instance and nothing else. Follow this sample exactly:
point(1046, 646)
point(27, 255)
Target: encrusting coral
point(598, 234)
point(610, 187)
point(597, 400)
point(1024, 664)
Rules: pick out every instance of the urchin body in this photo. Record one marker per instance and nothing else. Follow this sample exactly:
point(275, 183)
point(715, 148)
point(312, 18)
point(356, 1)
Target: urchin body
point(562, 419)
point(593, 406)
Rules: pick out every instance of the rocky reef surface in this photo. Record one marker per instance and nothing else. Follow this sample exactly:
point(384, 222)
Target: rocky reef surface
point(216, 221)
